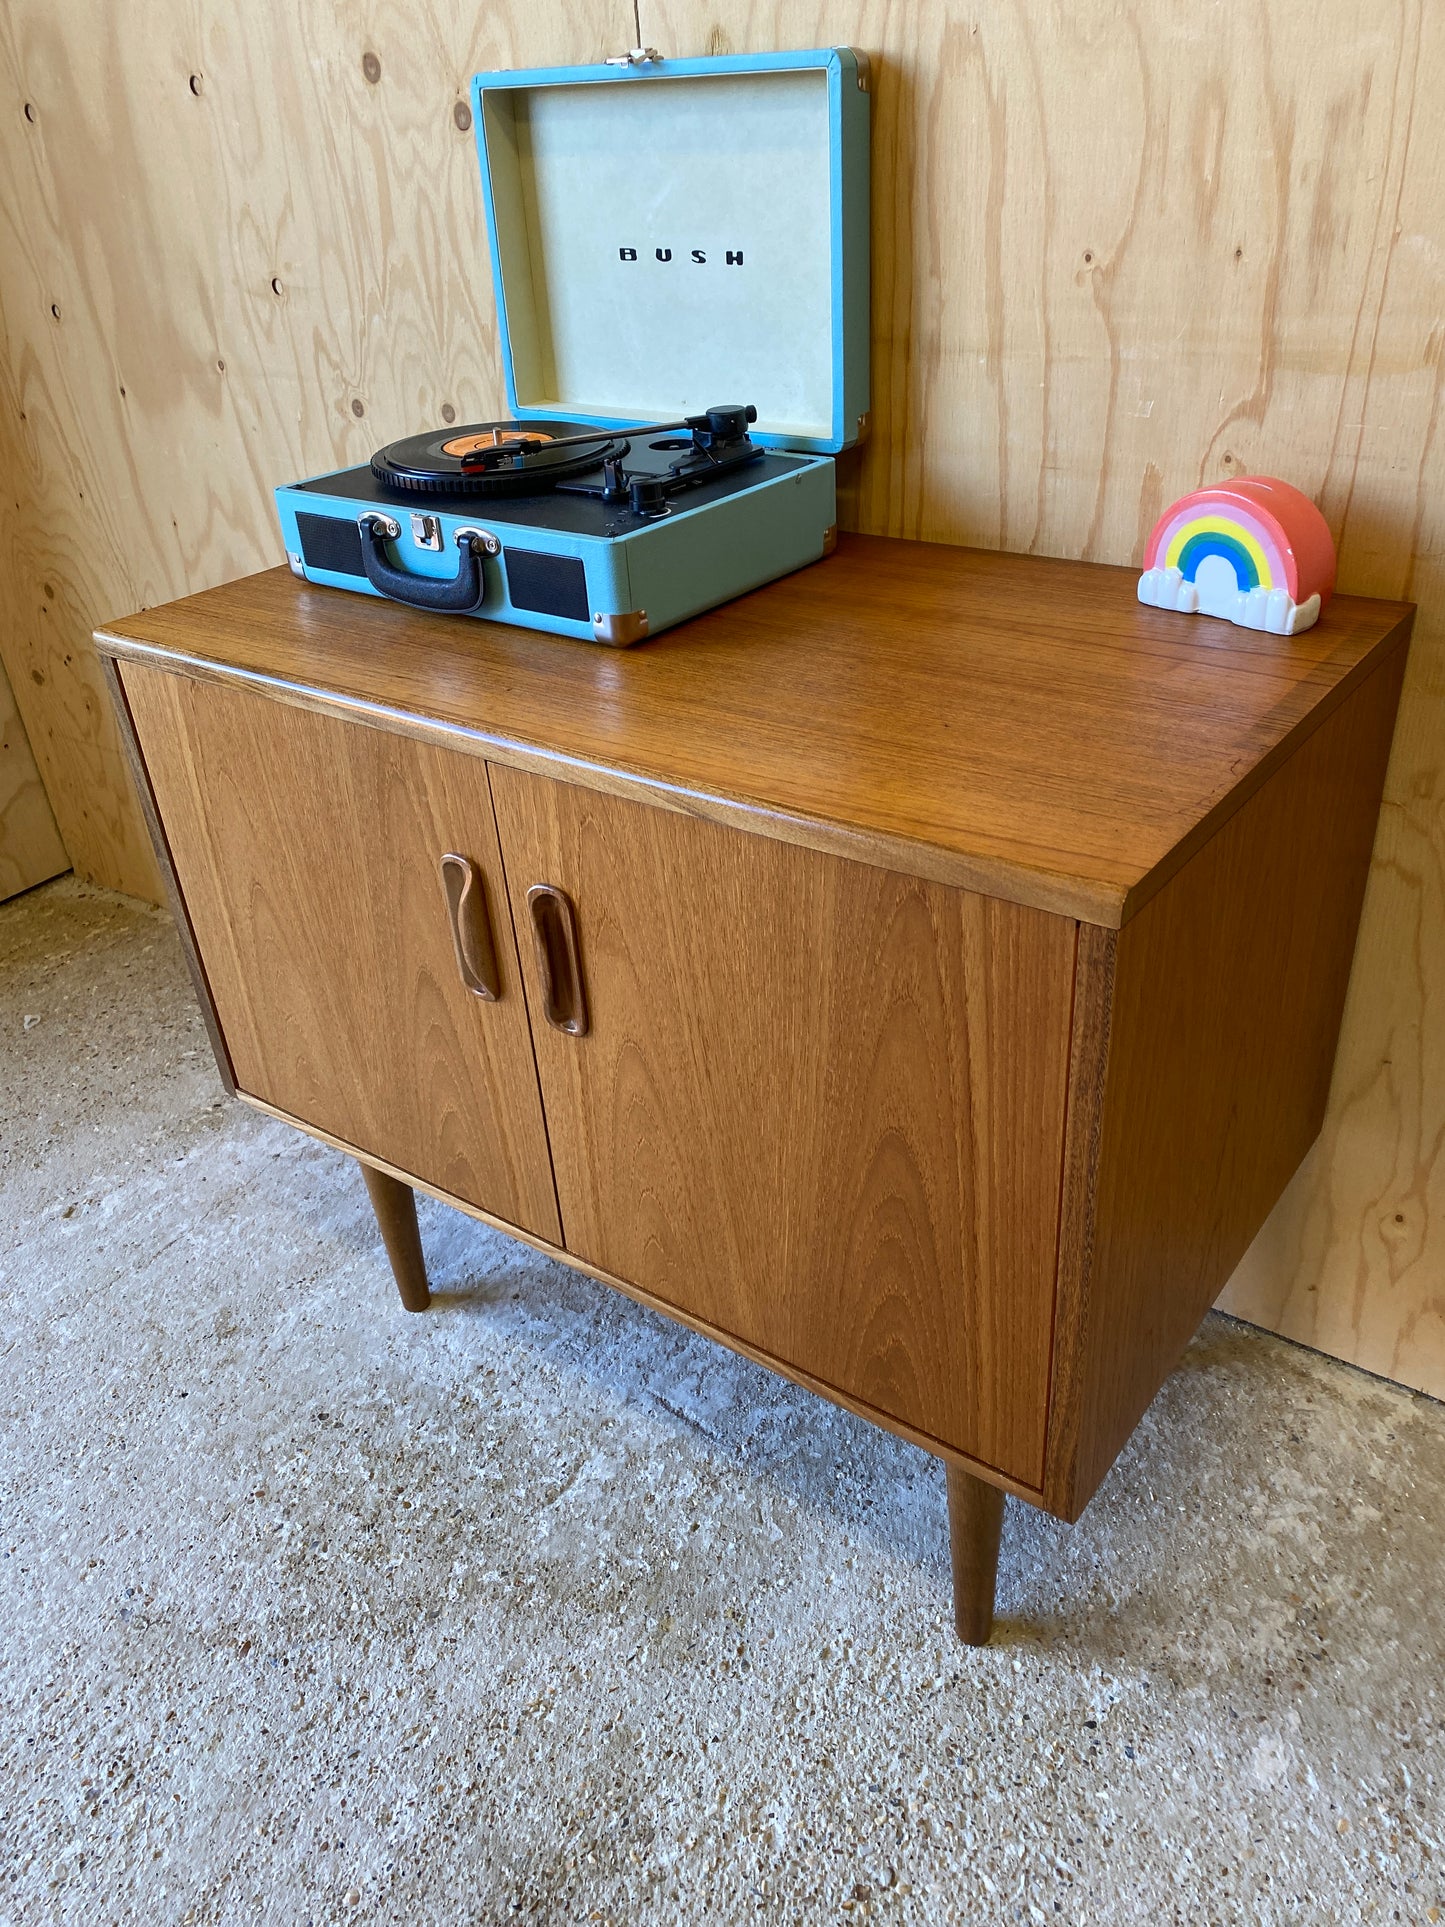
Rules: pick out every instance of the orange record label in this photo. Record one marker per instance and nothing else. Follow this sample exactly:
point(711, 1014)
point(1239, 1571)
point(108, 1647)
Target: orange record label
point(491, 438)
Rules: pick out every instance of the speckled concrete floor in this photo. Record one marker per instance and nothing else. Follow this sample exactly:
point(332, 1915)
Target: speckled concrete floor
point(538, 1607)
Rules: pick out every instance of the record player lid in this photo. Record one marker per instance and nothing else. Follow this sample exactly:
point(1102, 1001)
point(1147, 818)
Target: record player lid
point(669, 233)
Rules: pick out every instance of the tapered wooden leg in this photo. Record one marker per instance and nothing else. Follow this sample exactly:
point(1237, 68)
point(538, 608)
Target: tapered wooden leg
point(395, 1206)
point(975, 1520)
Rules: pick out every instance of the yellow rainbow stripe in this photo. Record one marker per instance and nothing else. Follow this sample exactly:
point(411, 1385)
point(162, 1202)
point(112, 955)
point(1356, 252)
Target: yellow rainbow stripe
point(1221, 525)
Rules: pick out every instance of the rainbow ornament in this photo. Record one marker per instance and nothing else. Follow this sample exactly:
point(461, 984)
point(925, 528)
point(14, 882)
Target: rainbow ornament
point(1256, 552)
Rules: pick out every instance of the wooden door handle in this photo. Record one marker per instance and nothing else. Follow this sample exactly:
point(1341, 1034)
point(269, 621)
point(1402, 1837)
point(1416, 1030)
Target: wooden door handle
point(471, 932)
point(554, 930)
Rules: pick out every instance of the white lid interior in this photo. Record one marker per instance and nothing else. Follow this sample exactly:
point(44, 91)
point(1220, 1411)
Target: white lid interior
point(704, 165)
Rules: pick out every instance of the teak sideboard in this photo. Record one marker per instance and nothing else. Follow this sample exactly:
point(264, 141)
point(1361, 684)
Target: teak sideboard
point(922, 975)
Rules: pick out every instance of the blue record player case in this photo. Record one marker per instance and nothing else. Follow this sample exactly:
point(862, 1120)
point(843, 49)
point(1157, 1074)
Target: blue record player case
point(668, 239)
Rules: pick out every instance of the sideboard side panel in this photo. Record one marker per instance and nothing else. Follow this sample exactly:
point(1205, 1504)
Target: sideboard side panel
point(819, 1106)
point(1228, 989)
point(165, 863)
point(1096, 957)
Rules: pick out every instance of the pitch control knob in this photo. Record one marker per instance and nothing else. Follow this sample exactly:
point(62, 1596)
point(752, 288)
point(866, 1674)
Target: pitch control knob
point(648, 496)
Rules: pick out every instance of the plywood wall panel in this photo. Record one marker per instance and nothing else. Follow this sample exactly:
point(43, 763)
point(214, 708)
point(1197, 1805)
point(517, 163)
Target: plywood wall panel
point(30, 845)
point(236, 246)
point(1117, 250)
point(1353, 1258)
point(1121, 248)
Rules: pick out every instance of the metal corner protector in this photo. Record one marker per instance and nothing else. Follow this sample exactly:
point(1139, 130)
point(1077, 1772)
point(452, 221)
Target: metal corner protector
point(620, 631)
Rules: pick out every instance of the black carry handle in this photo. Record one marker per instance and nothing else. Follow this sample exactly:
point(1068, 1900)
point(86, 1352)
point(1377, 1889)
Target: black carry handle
point(455, 597)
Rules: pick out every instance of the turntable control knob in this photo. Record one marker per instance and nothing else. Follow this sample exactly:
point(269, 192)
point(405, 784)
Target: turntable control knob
point(648, 496)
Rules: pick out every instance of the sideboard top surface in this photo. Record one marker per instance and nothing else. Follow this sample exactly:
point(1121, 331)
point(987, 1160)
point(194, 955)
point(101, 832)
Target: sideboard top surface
point(1015, 724)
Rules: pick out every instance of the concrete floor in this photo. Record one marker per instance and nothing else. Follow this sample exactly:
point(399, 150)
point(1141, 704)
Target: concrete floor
point(537, 1607)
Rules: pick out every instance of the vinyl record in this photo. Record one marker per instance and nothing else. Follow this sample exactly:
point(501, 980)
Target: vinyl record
point(493, 458)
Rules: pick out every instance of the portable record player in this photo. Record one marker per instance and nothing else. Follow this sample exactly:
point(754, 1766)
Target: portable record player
point(663, 234)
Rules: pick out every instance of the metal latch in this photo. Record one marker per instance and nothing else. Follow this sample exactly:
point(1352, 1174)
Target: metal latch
point(426, 532)
point(638, 57)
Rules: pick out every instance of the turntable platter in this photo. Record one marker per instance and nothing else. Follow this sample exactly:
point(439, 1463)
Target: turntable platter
point(494, 458)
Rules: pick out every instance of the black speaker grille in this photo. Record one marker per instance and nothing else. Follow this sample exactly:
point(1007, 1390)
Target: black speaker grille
point(548, 585)
point(331, 544)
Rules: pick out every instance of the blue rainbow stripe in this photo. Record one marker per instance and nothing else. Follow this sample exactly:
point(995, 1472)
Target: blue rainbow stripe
point(1212, 542)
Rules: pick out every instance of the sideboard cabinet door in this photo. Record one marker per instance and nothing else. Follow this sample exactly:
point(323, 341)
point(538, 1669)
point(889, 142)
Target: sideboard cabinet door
point(813, 1104)
point(308, 851)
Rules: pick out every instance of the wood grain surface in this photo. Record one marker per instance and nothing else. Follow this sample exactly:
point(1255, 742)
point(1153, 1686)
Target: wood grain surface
point(1226, 993)
point(872, 704)
point(819, 1106)
point(798, 1375)
point(307, 852)
point(1119, 250)
point(30, 845)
